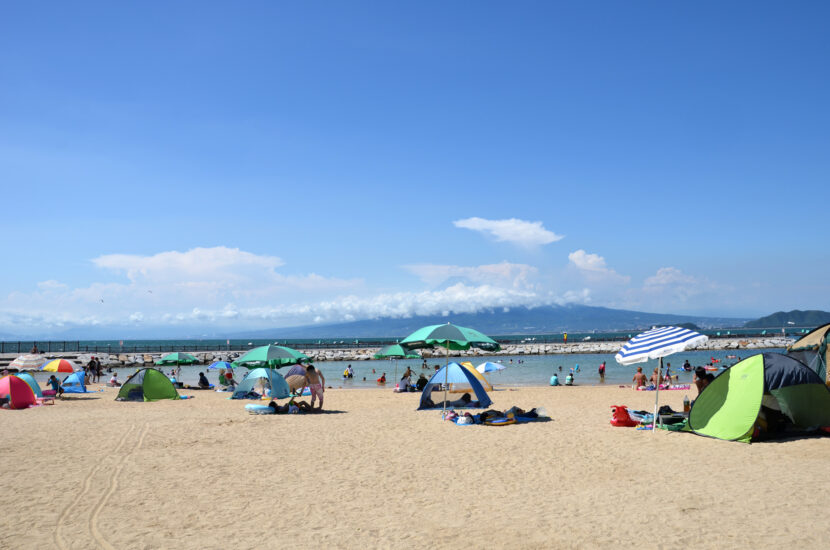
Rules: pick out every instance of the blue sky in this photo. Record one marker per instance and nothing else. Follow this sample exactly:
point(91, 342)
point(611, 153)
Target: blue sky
point(263, 165)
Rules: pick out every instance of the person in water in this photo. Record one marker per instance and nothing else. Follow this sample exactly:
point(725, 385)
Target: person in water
point(569, 380)
point(601, 371)
point(382, 379)
point(554, 380)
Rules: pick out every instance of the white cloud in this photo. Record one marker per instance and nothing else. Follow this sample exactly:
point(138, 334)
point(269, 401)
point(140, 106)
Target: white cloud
point(667, 276)
point(501, 274)
point(515, 231)
point(197, 264)
point(594, 268)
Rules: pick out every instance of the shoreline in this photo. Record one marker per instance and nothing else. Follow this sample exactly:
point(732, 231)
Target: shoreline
point(367, 354)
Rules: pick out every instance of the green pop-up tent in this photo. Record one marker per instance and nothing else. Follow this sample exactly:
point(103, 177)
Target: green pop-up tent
point(147, 385)
point(767, 394)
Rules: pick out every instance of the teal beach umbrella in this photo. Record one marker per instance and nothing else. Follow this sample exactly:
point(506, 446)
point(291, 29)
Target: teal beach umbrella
point(449, 337)
point(177, 359)
point(396, 351)
point(270, 356)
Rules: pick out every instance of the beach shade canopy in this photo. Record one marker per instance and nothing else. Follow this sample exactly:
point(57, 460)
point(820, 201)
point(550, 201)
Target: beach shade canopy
point(295, 377)
point(765, 395)
point(59, 365)
point(270, 356)
point(453, 373)
point(74, 383)
point(450, 337)
point(18, 391)
point(456, 388)
point(29, 379)
point(220, 365)
point(177, 358)
point(489, 367)
point(396, 351)
point(656, 344)
point(813, 350)
point(272, 380)
point(30, 361)
point(147, 385)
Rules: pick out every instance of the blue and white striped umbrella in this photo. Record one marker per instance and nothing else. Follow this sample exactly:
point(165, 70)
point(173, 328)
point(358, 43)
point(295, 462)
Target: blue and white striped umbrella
point(658, 342)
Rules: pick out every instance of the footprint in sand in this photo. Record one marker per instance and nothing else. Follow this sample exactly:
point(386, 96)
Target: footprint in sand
point(57, 537)
point(112, 485)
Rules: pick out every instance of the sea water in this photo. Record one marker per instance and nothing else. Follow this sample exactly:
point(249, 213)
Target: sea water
point(520, 370)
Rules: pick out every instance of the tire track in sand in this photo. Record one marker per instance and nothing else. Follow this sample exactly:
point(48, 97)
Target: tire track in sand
point(56, 534)
point(112, 486)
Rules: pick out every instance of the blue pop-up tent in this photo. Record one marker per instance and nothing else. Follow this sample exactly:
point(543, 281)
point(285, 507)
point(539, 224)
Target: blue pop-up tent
point(453, 373)
point(74, 383)
point(272, 379)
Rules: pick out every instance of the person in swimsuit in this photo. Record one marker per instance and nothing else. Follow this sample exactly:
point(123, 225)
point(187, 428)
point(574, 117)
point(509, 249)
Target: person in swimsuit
point(639, 378)
point(315, 381)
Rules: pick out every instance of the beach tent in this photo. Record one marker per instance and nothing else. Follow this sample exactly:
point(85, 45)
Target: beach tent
point(453, 373)
point(18, 391)
point(813, 350)
point(463, 387)
point(147, 385)
point(29, 379)
point(765, 394)
point(272, 379)
point(74, 383)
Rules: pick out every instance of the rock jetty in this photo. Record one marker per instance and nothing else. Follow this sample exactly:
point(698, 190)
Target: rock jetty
point(365, 354)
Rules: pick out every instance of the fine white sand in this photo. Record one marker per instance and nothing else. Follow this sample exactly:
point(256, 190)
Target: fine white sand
point(90, 472)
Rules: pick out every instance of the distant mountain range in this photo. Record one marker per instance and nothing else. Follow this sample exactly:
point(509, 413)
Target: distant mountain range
point(809, 318)
point(520, 320)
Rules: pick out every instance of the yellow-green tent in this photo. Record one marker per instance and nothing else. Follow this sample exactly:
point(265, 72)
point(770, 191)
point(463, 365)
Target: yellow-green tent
point(813, 350)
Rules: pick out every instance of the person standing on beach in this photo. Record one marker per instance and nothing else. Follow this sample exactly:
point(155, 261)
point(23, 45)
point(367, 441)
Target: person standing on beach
point(315, 382)
point(602, 373)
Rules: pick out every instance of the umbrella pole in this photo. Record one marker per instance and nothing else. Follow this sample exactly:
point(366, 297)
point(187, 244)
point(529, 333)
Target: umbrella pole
point(396, 370)
point(446, 378)
point(657, 394)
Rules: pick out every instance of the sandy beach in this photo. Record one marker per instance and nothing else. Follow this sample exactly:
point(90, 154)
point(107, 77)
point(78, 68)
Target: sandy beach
point(91, 472)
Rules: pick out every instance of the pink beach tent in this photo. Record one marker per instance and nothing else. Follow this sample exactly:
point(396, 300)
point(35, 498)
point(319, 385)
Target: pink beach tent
point(20, 394)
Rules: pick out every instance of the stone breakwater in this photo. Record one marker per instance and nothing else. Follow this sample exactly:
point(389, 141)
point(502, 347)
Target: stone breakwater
point(365, 354)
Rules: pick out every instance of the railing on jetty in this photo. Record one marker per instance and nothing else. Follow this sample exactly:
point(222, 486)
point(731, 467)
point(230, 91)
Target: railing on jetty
point(83, 347)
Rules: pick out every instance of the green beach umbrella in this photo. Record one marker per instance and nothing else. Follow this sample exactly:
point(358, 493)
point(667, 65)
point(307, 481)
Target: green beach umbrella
point(177, 359)
point(396, 351)
point(270, 356)
point(449, 337)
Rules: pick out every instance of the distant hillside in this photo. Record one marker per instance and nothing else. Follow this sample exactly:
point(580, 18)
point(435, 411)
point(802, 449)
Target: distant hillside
point(809, 318)
point(539, 320)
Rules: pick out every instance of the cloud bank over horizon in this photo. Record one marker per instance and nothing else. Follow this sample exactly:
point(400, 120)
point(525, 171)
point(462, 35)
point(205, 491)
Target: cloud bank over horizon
point(231, 288)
